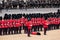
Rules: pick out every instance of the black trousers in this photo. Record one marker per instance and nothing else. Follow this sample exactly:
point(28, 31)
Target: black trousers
point(32, 29)
point(19, 29)
point(15, 29)
point(35, 28)
point(25, 29)
point(57, 26)
point(39, 27)
point(0, 31)
point(4, 31)
point(10, 30)
point(28, 32)
point(45, 29)
point(49, 27)
point(52, 26)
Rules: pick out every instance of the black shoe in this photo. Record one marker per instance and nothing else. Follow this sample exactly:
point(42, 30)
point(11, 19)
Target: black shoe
point(38, 33)
point(29, 36)
point(44, 34)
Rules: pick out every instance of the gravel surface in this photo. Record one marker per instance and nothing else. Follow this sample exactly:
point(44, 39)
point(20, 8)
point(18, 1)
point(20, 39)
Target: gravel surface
point(51, 35)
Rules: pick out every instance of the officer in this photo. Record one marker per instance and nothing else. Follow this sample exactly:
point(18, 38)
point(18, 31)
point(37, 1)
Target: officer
point(29, 26)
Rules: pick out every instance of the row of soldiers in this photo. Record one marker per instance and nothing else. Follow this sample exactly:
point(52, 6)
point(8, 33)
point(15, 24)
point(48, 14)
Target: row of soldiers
point(7, 26)
point(13, 24)
point(29, 25)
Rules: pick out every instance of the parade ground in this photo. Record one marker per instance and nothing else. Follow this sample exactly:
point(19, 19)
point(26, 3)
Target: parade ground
point(51, 35)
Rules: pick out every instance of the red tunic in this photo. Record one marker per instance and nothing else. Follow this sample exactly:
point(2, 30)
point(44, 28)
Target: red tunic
point(3, 23)
point(33, 22)
point(10, 23)
point(59, 20)
point(45, 24)
point(25, 20)
point(0, 24)
point(29, 24)
point(6, 26)
point(39, 21)
point(22, 20)
point(18, 23)
point(56, 21)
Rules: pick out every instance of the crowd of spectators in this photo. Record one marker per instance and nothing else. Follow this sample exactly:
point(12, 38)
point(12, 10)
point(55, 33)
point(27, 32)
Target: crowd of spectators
point(30, 4)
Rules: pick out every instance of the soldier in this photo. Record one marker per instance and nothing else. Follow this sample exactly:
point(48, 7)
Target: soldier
point(42, 20)
point(15, 29)
point(25, 28)
point(59, 22)
point(10, 25)
point(56, 23)
point(6, 26)
point(50, 25)
point(22, 21)
point(0, 28)
point(3, 24)
point(45, 25)
point(33, 23)
point(39, 24)
point(29, 26)
point(18, 26)
point(7, 23)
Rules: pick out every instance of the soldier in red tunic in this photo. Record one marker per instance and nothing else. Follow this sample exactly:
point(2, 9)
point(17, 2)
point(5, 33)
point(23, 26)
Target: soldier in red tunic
point(10, 25)
point(29, 26)
point(0, 28)
point(15, 29)
point(25, 28)
point(56, 22)
point(18, 25)
point(4, 26)
point(33, 23)
point(45, 25)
